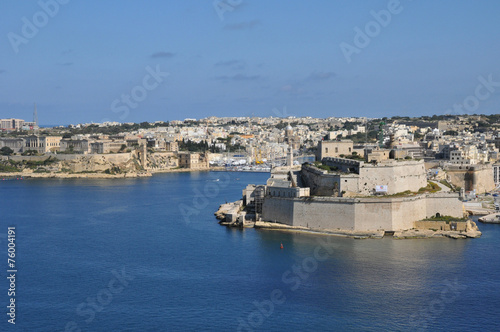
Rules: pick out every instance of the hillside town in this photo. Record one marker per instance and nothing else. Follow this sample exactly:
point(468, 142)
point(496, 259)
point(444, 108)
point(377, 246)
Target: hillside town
point(447, 144)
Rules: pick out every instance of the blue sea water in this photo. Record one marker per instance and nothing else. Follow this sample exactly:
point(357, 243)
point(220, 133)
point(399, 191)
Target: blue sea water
point(148, 255)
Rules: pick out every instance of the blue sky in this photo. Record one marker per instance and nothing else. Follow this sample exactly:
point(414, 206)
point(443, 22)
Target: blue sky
point(262, 58)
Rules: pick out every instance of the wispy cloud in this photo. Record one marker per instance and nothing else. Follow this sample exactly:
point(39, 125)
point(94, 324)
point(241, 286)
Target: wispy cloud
point(321, 75)
point(234, 64)
point(238, 77)
point(162, 55)
point(242, 25)
point(292, 90)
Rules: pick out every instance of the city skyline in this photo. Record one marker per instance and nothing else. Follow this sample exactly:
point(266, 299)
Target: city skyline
point(127, 62)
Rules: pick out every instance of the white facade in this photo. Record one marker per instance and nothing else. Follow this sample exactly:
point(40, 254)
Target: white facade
point(465, 155)
point(496, 174)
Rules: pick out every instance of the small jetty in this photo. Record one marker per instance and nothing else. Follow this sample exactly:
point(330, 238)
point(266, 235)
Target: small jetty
point(493, 218)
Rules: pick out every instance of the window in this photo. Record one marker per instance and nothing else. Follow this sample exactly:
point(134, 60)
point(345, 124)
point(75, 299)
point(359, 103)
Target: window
point(336, 150)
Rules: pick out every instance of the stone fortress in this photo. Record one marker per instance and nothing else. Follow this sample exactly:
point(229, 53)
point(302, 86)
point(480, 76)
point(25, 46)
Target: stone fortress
point(348, 201)
point(351, 195)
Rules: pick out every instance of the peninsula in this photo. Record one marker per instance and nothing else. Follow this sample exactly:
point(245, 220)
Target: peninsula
point(371, 196)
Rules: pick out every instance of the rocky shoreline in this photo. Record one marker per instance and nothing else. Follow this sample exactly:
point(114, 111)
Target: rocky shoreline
point(97, 175)
point(50, 175)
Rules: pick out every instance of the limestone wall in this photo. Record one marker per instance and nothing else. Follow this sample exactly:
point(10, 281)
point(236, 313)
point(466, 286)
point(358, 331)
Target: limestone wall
point(321, 213)
point(388, 214)
point(28, 158)
point(320, 182)
point(441, 225)
point(399, 176)
point(446, 204)
point(278, 210)
point(470, 177)
point(359, 214)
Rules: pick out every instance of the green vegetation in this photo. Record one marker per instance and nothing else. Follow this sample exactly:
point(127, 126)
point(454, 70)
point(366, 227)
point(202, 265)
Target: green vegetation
point(6, 151)
point(188, 145)
point(8, 168)
point(401, 194)
point(29, 153)
point(446, 183)
point(113, 170)
point(353, 156)
point(364, 137)
point(448, 219)
point(325, 167)
point(17, 166)
point(33, 164)
point(430, 188)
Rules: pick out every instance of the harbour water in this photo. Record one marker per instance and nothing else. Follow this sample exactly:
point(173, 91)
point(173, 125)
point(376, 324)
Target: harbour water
point(147, 255)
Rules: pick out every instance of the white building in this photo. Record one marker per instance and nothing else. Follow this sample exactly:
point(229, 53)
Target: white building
point(496, 174)
point(465, 155)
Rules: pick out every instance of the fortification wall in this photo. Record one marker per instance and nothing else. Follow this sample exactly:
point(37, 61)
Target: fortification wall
point(361, 214)
point(320, 213)
point(108, 157)
point(278, 210)
point(389, 214)
point(28, 158)
point(470, 177)
point(441, 225)
point(446, 204)
point(398, 176)
point(320, 182)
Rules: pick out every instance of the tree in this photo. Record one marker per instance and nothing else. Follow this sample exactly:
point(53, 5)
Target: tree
point(6, 151)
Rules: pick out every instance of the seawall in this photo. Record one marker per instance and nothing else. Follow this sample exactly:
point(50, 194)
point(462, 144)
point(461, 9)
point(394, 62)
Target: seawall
point(360, 214)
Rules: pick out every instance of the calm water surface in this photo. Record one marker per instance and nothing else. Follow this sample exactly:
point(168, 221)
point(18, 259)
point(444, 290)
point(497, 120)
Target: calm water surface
point(148, 255)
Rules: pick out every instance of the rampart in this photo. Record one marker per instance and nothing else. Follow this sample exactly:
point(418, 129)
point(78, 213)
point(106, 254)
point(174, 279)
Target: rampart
point(360, 214)
point(477, 177)
point(398, 176)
